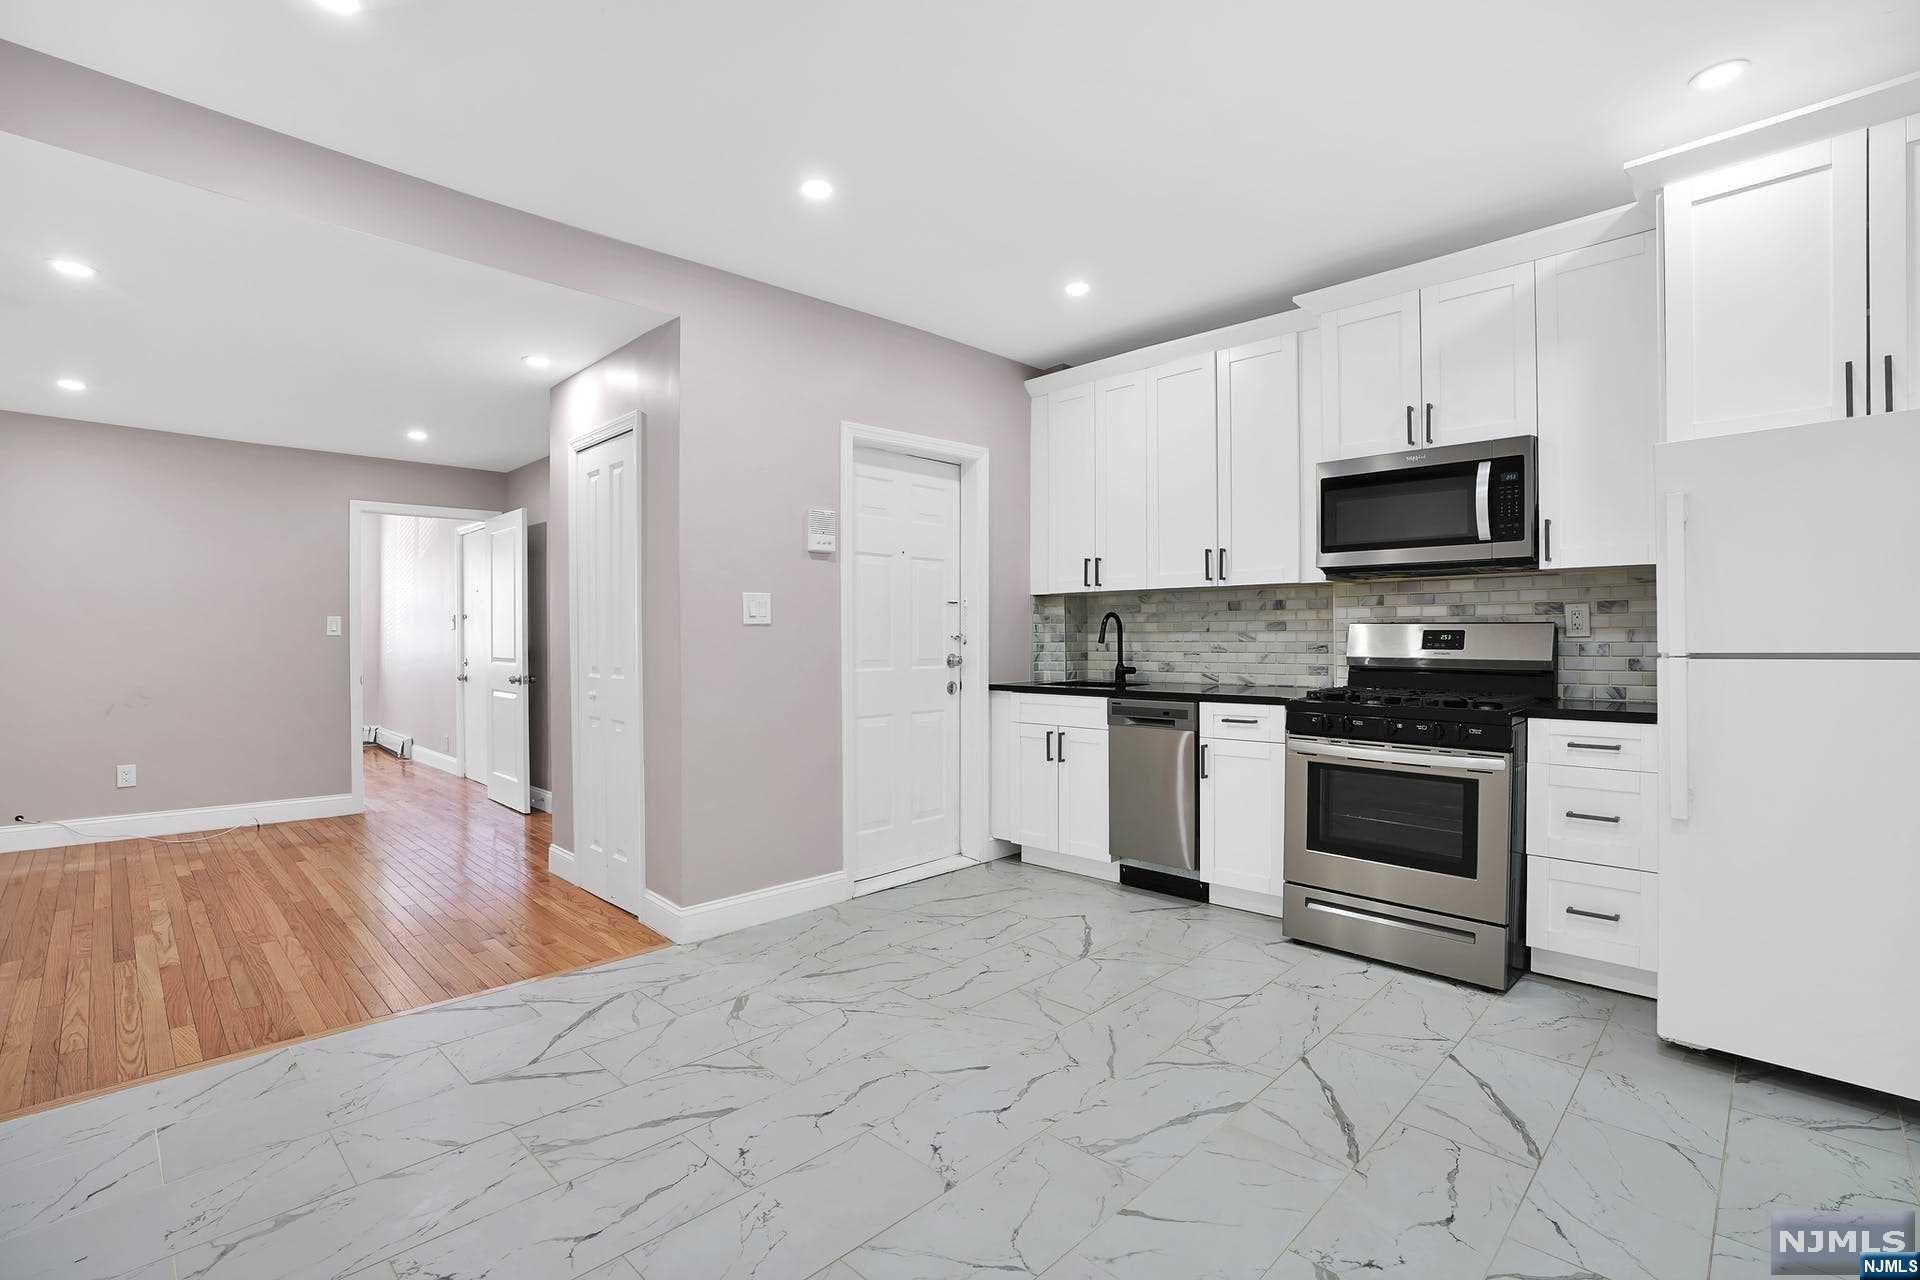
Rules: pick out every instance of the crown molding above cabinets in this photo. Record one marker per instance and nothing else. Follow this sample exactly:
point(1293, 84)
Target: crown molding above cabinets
point(1243, 334)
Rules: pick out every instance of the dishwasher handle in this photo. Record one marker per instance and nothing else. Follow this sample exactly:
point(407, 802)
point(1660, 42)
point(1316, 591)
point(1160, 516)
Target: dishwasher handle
point(1148, 713)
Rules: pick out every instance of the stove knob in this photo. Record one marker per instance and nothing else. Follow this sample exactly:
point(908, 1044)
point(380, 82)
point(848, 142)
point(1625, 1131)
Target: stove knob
point(1354, 724)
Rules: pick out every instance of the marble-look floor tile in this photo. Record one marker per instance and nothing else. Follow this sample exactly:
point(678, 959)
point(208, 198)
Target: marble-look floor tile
point(466, 1113)
point(1272, 949)
point(578, 1139)
point(816, 979)
point(1092, 983)
point(1146, 1121)
point(1416, 1206)
point(1224, 1212)
point(1621, 1204)
point(1126, 1035)
point(1214, 977)
point(1273, 1027)
point(982, 977)
point(439, 1024)
point(1017, 1218)
point(560, 1026)
point(837, 930)
point(125, 1234)
point(689, 1037)
point(1637, 1082)
point(685, 979)
point(954, 942)
point(588, 1223)
point(1740, 1260)
point(1634, 1013)
point(96, 1176)
point(825, 1040)
point(794, 1124)
point(799, 1222)
point(1334, 1103)
point(1416, 1020)
point(1501, 1100)
point(1517, 1261)
point(1334, 974)
point(1820, 1106)
point(354, 1229)
point(975, 1039)
point(1772, 1164)
point(1553, 1020)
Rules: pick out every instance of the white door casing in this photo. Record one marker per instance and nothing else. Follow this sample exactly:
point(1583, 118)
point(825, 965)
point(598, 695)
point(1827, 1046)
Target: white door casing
point(604, 577)
point(506, 668)
point(475, 617)
point(906, 613)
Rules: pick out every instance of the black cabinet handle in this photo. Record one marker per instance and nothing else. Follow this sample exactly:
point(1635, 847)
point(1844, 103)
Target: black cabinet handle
point(1429, 422)
point(1590, 817)
point(1410, 440)
point(1594, 746)
point(1239, 720)
point(1086, 571)
point(1203, 760)
point(1060, 751)
point(1049, 746)
point(1209, 564)
point(1096, 571)
point(1849, 388)
point(1549, 538)
point(1223, 564)
point(1611, 917)
point(1889, 367)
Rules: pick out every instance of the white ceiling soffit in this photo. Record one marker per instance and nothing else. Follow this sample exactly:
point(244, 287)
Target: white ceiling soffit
point(1198, 163)
point(214, 317)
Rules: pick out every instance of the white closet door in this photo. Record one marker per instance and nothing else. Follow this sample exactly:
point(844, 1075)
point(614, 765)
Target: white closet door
point(1183, 527)
point(604, 560)
point(1476, 358)
point(1120, 445)
point(507, 668)
point(906, 739)
point(1259, 462)
point(1893, 261)
point(1766, 278)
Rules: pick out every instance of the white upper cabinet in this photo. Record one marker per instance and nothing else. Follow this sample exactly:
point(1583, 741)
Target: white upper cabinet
point(1120, 446)
point(1599, 403)
point(1893, 260)
point(1766, 278)
point(1370, 389)
point(1183, 528)
point(1477, 358)
point(1258, 419)
point(1312, 454)
point(1039, 500)
point(1071, 489)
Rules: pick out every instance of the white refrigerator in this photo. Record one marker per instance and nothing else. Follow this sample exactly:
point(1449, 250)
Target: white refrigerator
point(1789, 634)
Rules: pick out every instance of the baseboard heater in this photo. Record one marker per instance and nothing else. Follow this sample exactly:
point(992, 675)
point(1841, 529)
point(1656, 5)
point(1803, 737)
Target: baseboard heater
point(398, 744)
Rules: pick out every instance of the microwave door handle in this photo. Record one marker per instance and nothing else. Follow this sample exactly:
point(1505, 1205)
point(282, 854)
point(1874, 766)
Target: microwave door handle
point(1483, 500)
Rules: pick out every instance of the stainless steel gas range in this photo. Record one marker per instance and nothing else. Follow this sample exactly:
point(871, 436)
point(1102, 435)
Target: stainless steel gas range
point(1405, 797)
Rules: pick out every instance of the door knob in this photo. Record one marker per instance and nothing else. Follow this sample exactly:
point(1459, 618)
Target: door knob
point(462, 677)
point(519, 679)
point(954, 660)
point(953, 686)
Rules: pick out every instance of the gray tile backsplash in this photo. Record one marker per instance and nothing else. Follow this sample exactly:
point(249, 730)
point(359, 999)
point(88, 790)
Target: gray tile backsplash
point(1297, 635)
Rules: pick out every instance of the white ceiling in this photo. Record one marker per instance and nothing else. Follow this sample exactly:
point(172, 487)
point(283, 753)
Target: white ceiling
point(1198, 161)
point(217, 318)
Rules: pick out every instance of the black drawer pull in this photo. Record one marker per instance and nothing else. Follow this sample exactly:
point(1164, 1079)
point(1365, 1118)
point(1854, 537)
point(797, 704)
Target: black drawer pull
point(1049, 746)
point(1590, 817)
point(1611, 917)
point(1593, 746)
point(1239, 720)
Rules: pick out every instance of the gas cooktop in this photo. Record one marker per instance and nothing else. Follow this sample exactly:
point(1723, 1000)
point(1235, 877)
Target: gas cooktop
point(1359, 696)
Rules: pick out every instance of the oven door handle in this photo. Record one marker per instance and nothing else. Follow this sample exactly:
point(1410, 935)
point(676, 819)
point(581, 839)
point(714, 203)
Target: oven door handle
point(1469, 764)
point(1483, 500)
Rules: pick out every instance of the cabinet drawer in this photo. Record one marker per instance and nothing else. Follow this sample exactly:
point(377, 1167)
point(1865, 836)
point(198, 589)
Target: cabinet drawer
point(1601, 913)
point(1604, 816)
point(1065, 711)
point(1247, 722)
point(1595, 745)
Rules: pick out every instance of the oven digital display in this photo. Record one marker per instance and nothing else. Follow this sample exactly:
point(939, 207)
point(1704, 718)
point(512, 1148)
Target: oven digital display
point(1443, 639)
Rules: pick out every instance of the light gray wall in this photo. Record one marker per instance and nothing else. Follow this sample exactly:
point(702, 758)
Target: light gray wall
point(164, 601)
point(766, 378)
point(528, 488)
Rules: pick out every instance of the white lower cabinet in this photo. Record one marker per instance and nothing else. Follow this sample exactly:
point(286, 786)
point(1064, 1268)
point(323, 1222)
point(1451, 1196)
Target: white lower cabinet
point(1003, 747)
point(1594, 912)
point(1242, 813)
point(1053, 783)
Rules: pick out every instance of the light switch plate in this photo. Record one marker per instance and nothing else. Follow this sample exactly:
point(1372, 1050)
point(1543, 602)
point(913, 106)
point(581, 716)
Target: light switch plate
point(124, 775)
point(1579, 621)
point(333, 624)
point(756, 608)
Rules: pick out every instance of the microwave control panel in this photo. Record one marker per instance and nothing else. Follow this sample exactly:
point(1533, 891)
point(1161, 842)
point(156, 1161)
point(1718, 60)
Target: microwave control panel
point(1507, 500)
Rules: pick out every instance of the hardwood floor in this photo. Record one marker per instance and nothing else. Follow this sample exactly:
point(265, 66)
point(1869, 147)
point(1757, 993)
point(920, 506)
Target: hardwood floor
point(124, 960)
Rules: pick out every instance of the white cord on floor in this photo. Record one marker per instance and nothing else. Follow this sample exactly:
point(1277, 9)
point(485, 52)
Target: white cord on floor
point(93, 839)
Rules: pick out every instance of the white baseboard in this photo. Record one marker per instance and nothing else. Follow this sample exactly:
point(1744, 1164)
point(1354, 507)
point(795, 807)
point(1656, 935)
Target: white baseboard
point(1222, 895)
point(435, 759)
point(171, 822)
point(907, 875)
point(724, 915)
point(561, 863)
point(1109, 871)
point(542, 800)
point(1595, 973)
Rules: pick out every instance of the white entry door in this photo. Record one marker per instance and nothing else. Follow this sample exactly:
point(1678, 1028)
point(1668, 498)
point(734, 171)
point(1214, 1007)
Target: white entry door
point(906, 704)
point(604, 573)
point(476, 616)
point(506, 669)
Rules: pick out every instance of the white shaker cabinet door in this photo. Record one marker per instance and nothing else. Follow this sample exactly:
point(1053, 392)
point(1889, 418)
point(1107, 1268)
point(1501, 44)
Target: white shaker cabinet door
point(1242, 813)
point(1083, 793)
point(1071, 489)
point(1182, 474)
point(1259, 462)
point(1039, 498)
point(1766, 278)
point(1370, 369)
point(1893, 262)
point(1477, 358)
point(1599, 403)
point(1037, 788)
point(1120, 447)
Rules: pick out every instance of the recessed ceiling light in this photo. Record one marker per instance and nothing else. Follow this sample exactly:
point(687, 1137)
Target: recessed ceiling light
point(1719, 75)
point(1078, 288)
point(536, 361)
point(70, 384)
point(417, 435)
point(73, 268)
point(345, 8)
point(817, 189)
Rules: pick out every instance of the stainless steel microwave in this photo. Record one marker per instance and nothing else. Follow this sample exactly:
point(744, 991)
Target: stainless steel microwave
point(1446, 509)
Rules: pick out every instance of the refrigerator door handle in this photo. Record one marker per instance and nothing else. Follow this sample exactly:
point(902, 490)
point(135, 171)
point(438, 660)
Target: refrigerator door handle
point(1673, 723)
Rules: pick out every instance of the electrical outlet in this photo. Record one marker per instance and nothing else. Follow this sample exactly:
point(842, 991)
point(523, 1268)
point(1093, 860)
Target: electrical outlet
point(123, 775)
point(1579, 621)
point(333, 624)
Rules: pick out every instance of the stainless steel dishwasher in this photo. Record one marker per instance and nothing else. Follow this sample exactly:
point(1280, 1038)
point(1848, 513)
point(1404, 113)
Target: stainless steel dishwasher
point(1153, 783)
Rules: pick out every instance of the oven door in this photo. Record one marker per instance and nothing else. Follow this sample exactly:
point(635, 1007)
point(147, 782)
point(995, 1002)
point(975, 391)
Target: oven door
point(1469, 504)
point(1421, 827)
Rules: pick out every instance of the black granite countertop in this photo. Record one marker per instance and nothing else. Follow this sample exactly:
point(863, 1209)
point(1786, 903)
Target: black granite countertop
point(1281, 695)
